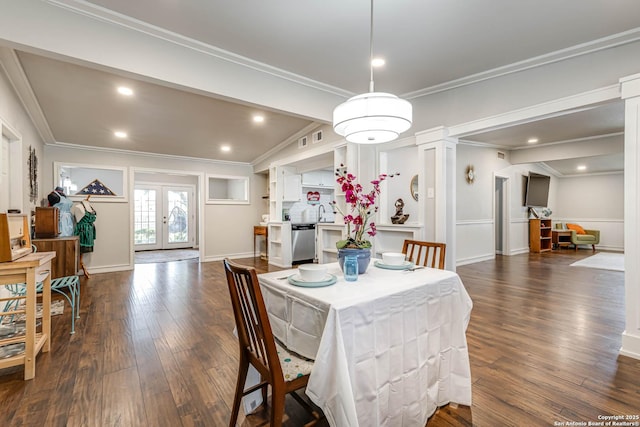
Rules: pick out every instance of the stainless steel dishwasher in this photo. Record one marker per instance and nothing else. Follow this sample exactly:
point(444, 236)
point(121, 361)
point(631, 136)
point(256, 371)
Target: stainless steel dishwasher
point(303, 242)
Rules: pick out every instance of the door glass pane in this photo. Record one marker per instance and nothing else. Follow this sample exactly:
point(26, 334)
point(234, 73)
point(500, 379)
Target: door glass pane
point(145, 217)
point(178, 219)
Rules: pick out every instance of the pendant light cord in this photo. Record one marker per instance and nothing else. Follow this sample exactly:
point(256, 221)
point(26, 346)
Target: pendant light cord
point(371, 49)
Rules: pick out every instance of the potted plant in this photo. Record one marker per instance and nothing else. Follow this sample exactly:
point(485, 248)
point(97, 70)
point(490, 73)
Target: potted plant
point(361, 208)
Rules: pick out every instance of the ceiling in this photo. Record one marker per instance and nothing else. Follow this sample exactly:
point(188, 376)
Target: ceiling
point(427, 45)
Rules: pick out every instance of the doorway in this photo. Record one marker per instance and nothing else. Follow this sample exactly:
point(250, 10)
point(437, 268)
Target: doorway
point(164, 217)
point(501, 215)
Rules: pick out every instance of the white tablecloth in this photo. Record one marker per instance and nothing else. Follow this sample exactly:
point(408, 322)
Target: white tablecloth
point(388, 348)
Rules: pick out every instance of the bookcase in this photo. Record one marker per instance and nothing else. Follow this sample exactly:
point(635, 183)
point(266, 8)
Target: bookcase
point(539, 235)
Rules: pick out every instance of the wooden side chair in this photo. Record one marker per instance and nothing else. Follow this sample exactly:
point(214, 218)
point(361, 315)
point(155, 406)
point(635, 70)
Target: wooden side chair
point(428, 254)
point(285, 372)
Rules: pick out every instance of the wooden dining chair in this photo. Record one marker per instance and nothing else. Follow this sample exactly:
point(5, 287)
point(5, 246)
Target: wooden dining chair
point(285, 372)
point(428, 254)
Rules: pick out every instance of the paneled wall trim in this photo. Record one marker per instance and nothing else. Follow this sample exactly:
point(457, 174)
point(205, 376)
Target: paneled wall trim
point(611, 231)
point(630, 87)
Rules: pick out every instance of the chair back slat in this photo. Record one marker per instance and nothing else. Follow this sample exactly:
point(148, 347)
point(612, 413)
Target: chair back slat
point(252, 322)
point(428, 254)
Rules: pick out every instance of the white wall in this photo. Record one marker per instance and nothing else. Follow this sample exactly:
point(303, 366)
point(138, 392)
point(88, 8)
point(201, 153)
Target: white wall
point(525, 88)
point(404, 161)
point(474, 202)
point(227, 229)
point(13, 115)
point(594, 202)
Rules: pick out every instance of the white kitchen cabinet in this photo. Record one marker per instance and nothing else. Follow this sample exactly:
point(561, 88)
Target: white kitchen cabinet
point(328, 178)
point(292, 187)
point(275, 207)
point(280, 244)
point(327, 235)
point(318, 179)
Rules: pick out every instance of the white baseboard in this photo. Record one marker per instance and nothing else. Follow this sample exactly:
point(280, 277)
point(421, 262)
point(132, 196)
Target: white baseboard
point(609, 248)
point(230, 256)
point(630, 345)
point(518, 251)
point(473, 260)
point(125, 267)
point(109, 268)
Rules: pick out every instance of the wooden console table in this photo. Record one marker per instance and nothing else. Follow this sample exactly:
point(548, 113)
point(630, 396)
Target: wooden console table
point(561, 238)
point(67, 251)
point(261, 230)
point(29, 269)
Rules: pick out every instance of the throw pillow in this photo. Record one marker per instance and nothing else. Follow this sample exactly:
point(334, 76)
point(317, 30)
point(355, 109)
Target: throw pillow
point(577, 228)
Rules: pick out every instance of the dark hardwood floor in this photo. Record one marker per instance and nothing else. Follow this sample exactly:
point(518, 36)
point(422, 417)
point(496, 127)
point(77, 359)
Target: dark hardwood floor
point(155, 347)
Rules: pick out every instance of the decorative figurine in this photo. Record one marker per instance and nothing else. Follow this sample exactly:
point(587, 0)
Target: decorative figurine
point(399, 217)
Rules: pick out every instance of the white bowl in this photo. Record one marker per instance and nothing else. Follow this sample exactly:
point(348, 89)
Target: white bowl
point(312, 272)
point(393, 258)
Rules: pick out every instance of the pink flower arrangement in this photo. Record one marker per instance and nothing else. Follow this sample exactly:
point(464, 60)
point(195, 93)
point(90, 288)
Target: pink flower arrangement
point(362, 207)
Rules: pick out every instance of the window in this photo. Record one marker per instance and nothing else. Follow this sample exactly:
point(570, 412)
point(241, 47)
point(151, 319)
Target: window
point(230, 190)
point(74, 177)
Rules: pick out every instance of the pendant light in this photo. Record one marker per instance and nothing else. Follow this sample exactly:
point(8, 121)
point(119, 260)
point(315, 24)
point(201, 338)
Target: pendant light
point(373, 117)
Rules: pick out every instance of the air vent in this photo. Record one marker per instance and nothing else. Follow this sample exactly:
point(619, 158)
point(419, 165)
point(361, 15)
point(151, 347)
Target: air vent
point(317, 136)
point(500, 155)
point(302, 142)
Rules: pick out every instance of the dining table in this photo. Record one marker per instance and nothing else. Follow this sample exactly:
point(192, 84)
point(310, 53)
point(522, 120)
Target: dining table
point(389, 348)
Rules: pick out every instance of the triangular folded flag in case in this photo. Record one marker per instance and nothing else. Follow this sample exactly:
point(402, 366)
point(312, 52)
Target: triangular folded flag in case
point(96, 188)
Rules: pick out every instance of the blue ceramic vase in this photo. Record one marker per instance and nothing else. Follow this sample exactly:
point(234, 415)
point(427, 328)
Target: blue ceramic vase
point(364, 257)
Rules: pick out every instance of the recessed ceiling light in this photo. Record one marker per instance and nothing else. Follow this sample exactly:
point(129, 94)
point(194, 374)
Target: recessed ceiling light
point(532, 140)
point(377, 62)
point(123, 90)
point(581, 168)
point(225, 148)
point(258, 118)
point(120, 134)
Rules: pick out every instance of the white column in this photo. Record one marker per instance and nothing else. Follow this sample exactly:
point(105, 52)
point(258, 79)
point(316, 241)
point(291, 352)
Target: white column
point(630, 89)
point(437, 154)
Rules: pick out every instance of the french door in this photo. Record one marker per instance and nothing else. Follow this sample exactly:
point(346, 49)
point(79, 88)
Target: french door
point(163, 217)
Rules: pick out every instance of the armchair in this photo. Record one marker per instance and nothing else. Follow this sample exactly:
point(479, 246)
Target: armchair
point(589, 237)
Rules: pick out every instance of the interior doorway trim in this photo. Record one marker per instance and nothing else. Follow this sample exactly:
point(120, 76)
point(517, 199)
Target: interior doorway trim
point(200, 198)
point(554, 108)
point(502, 221)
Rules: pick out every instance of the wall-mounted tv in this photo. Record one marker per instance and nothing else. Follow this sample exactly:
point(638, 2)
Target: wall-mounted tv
point(537, 194)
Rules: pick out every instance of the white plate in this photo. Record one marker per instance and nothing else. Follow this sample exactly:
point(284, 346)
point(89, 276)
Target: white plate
point(404, 266)
point(296, 280)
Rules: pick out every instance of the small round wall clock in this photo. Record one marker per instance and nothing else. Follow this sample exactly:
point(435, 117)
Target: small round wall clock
point(470, 174)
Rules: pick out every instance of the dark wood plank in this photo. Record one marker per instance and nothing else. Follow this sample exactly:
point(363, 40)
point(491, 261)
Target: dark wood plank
point(122, 403)
point(155, 347)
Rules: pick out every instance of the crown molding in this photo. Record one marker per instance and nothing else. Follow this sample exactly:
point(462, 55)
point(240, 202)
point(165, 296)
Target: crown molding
point(604, 43)
point(15, 73)
point(93, 11)
point(302, 132)
point(143, 154)
point(554, 108)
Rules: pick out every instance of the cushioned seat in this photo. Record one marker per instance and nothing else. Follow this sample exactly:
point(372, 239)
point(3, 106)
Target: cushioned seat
point(591, 238)
point(580, 236)
point(284, 371)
